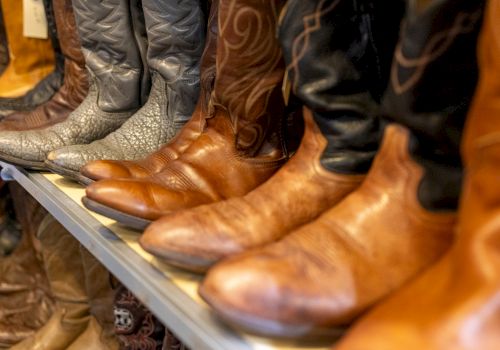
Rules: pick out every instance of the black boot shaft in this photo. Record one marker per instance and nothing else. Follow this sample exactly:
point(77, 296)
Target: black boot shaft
point(338, 56)
point(433, 78)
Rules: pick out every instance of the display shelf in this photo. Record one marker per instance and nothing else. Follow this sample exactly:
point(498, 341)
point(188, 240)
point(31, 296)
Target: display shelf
point(171, 294)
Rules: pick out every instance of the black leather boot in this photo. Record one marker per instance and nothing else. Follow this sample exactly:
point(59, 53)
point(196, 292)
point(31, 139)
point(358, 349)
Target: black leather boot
point(433, 78)
point(48, 86)
point(176, 36)
point(117, 82)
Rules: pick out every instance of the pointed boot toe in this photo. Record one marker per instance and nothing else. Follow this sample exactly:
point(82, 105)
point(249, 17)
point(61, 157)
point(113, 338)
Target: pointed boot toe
point(66, 161)
point(187, 239)
point(108, 169)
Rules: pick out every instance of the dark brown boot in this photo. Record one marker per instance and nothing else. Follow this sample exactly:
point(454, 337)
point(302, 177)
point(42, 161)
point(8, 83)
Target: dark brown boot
point(75, 86)
point(241, 145)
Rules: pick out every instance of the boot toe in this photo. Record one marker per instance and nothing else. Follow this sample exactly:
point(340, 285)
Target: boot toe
point(106, 169)
point(70, 158)
point(189, 239)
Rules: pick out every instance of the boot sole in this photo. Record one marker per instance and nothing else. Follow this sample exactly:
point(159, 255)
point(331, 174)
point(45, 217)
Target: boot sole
point(273, 329)
point(26, 164)
point(68, 173)
point(128, 220)
point(185, 262)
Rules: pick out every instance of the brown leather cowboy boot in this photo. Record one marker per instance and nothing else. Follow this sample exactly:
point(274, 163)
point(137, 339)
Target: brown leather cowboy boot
point(328, 272)
point(30, 59)
point(453, 305)
point(100, 330)
point(341, 136)
point(75, 85)
point(67, 282)
point(25, 300)
point(241, 144)
point(107, 169)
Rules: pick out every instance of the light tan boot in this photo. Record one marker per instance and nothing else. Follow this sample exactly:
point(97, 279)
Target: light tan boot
point(67, 281)
point(100, 330)
point(31, 59)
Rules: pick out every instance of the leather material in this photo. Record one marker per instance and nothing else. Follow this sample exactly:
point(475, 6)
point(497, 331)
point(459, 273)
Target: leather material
point(75, 86)
point(105, 169)
point(201, 236)
point(4, 51)
point(135, 326)
point(348, 259)
point(433, 78)
point(111, 53)
point(176, 40)
point(241, 145)
point(462, 311)
point(338, 56)
point(25, 300)
point(66, 277)
point(31, 60)
point(99, 333)
point(87, 123)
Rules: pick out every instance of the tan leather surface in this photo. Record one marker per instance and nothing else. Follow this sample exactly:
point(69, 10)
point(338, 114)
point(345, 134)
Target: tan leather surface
point(92, 339)
point(75, 84)
point(30, 60)
point(329, 271)
point(298, 193)
point(240, 146)
point(64, 268)
point(25, 301)
point(106, 169)
point(454, 305)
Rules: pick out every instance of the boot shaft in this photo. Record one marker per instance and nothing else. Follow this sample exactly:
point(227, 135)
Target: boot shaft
point(249, 73)
point(338, 56)
point(26, 54)
point(433, 77)
point(111, 52)
point(4, 52)
point(176, 36)
point(54, 34)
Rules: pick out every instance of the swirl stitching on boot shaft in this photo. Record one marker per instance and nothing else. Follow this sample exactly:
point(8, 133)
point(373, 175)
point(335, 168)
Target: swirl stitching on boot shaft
point(437, 45)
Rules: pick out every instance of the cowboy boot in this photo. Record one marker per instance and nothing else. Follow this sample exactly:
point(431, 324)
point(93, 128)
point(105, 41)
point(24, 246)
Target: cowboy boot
point(25, 300)
point(4, 51)
point(452, 306)
point(31, 60)
point(340, 140)
point(384, 233)
point(106, 169)
point(100, 330)
point(135, 326)
point(74, 87)
point(241, 144)
point(48, 86)
point(116, 84)
point(176, 35)
point(66, 277)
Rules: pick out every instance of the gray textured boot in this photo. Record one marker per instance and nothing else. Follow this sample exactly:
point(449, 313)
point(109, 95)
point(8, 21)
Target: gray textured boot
point(176, 33)
point(116, 69)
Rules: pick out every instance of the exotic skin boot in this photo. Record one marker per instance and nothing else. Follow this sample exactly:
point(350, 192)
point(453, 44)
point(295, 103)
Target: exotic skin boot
point(48, 86)
point(116, 75)
point(341, 136)
point(30, 60)
point(100, 330)
point(4, 51)
point(75, 86)
point(25, 300)
point(384, 233)
point(176, 35)
point(241, 144)
point(67, 281)
point(106, 169)
point(454, 305)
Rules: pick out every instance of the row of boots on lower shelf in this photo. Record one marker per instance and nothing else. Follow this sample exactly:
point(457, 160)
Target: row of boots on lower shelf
point(54, 295)
point(400, 232)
